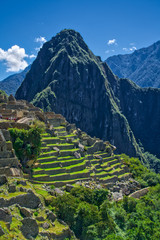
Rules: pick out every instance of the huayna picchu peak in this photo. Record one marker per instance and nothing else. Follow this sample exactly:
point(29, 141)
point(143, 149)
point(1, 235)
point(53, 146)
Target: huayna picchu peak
point(69, 79)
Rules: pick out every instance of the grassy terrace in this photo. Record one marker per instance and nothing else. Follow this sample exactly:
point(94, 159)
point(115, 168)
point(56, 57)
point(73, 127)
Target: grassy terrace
point(63, 167)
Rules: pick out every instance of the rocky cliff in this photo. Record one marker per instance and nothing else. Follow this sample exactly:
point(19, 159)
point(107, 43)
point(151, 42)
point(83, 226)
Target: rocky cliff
point(69, 79)
point(141, 106)
point(141, 66)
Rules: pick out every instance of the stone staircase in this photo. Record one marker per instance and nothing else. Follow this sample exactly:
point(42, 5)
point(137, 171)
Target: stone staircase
point(62, 160)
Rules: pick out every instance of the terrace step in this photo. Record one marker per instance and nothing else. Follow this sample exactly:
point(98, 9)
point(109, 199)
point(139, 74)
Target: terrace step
point(61, 163)
point(76, 168)
point(69, 152)
point(60, 183)
point(110, 162)
point(109, 179)
point(125, 176)
point(103, 154)
point(54, 171)
point(72, 136)
point(61, 134)
point(48, 159)
point(48, 154)
point(51, 140)
point(45, 149)
point(60, 129)
point(70, 176)
point(45, 135)
point(61, 146)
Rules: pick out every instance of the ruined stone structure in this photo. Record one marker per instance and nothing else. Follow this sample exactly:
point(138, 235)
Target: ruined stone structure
point(11, 109)
point(8, 161)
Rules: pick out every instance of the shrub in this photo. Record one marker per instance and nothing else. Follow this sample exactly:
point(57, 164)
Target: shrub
point(26, 143)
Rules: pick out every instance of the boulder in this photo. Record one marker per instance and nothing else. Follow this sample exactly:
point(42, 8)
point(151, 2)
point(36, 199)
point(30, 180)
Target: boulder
point(45, 225)
point(5, 215)
point(51, 216)
point(12, 188)
point(29, 228)
point(22, 182)
point(81, 147)
point(3, 179)
point(25, 212)
point(58, 191)
point(40, 219)
point(77, 155)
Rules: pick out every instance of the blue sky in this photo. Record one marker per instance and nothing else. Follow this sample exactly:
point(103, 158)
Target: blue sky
point(109, 27)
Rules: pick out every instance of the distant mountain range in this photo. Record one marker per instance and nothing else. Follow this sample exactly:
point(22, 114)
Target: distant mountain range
point(141, 66)
point(67, 78)
point(12, 83)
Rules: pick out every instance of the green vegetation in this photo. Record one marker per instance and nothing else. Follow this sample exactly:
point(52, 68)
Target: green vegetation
point(152, 162)
point(92, 216)
point(143, 175)
point(3, 93)
point(27, 143)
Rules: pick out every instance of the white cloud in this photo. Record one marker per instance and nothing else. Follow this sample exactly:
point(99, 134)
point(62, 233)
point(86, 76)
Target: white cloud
point(133, 48)
point(13, 58)
point(129, 49)
point(112, 41)
point(40, 40)
point(32, 56)
point(108, 51)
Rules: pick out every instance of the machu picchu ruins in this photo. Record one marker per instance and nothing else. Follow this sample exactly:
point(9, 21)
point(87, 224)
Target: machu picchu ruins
point(68, 158)
point(67, 155)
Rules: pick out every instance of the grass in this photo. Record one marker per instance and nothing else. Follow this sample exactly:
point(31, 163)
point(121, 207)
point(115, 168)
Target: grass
point(42, 192)
point(37, 169)
point(83, 171)
point(39, 175)
point(70, 150)
point(124, 174)
point(68, 136)
point(49, 138)
point(76, 165)
point(61, 144)
point(11, 195)
point(70, 160)
point(60, 127)
point(49, 152)
point(47, 157)
point(108, 177)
